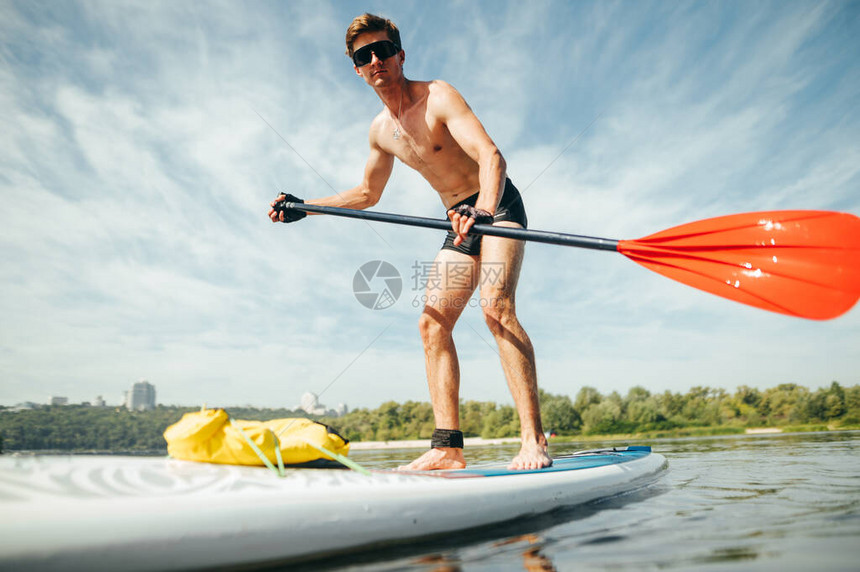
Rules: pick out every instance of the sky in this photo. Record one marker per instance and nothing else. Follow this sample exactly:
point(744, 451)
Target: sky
point(142, 142)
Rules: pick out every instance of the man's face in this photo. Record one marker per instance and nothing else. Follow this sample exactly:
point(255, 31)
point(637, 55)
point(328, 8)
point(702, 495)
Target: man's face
point(378, 73)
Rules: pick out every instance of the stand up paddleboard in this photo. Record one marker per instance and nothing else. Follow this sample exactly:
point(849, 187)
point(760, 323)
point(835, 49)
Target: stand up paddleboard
point(133, 513)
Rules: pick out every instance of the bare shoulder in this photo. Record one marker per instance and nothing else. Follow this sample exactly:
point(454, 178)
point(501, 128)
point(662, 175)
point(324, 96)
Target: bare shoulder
point(443, 99)
point(377, 126)
point(441, 89)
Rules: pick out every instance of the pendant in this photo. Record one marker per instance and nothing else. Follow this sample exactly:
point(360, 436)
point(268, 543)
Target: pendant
point(396, 133)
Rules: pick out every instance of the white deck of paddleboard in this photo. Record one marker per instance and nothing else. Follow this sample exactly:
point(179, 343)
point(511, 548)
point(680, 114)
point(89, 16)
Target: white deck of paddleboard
point(127, 513)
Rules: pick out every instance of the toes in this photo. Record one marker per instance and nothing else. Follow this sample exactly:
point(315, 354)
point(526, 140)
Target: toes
point(529, 464)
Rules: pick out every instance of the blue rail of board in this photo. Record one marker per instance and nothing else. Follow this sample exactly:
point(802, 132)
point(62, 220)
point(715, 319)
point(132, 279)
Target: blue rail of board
point(575, 462)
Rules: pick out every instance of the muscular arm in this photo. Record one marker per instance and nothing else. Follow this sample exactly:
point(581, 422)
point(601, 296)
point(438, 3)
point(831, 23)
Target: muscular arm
point(470, 135)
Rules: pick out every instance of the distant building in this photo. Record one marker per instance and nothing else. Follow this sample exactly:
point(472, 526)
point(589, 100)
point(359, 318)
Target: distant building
point(141, 396)
point(25, 406)
point(54, 400)
point(99, 402)
point(312, 406)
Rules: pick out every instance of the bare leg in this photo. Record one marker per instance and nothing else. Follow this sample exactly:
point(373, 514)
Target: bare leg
point(501, 260)
point(446, 299)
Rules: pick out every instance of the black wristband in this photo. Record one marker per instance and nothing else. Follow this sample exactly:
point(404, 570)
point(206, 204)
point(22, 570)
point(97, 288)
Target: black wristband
point(450, 438)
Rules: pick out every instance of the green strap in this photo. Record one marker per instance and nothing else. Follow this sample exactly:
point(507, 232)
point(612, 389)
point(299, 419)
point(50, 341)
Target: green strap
point(257, 450)
point(281, 471)
point(340, 459)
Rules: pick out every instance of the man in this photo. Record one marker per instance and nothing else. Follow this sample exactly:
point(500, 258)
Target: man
point(429, 127)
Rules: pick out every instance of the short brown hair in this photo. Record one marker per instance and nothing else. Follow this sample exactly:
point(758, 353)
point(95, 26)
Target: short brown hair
point(370, 23)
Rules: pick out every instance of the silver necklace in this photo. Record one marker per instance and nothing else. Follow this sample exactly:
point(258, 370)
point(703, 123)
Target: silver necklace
point(396, 132)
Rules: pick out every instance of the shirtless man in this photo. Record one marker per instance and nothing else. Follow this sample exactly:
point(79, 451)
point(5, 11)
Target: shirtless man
point(430, 128)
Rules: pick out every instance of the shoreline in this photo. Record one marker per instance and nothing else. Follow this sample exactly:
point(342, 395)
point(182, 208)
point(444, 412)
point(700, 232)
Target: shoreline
point(425, 443)
point(478, 441)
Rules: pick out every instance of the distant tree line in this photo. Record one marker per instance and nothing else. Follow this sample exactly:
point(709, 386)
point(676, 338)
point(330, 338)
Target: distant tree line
point(640, 411)
point(590, 412)
point(85, 428)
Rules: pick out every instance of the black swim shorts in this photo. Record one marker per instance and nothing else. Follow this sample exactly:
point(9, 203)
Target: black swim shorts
point(510, 209)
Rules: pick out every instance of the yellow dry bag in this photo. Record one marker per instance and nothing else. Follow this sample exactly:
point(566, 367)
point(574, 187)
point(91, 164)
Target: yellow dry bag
point(209, 436)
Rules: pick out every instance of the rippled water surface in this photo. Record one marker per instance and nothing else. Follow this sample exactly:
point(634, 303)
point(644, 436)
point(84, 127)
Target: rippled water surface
point(776, 502)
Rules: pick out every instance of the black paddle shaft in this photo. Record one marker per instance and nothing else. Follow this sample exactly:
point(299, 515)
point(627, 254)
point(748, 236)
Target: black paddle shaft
point(560, 238)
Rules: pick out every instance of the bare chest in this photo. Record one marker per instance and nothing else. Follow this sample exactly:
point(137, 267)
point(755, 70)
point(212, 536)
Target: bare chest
point(423, 142)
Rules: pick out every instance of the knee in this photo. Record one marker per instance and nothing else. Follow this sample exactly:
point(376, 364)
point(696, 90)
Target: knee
point(499, 315)
point(432, 329)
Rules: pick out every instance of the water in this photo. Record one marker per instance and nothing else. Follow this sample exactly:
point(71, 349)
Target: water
point(775, 502)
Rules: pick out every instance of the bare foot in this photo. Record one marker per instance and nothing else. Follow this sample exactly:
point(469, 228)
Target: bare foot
point(531, 456)
point(440, 458)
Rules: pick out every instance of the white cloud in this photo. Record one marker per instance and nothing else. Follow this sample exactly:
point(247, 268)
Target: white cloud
point(136, 173)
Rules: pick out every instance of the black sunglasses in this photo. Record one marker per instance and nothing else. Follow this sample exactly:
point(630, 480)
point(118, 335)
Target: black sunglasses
point(383, 49)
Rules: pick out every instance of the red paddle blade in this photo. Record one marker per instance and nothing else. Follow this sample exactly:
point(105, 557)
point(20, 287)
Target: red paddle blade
point(800, 263)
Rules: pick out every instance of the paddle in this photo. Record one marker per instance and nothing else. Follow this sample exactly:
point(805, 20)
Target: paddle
point(801, 263)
